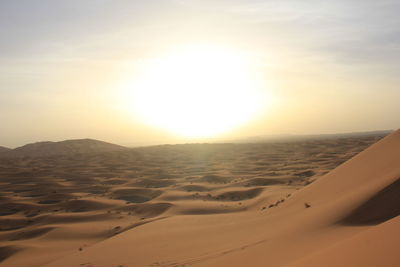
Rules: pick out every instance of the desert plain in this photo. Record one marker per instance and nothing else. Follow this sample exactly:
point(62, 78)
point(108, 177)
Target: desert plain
point(317, 202)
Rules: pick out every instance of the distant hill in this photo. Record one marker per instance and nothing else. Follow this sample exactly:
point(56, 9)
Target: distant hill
point(4, 149)
point(67, 147)
point(304, 137)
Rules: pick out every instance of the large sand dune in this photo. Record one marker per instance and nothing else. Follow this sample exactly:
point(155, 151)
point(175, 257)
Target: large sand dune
point(267, 204)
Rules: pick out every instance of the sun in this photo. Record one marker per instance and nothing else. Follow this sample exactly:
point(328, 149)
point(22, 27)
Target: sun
point(196, 92)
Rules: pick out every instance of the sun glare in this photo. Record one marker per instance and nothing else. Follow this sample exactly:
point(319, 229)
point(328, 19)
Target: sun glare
point(196, 92)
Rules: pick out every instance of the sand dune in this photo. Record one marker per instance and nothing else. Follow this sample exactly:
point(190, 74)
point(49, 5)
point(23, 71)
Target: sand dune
point(271, 204)
point(315, 226)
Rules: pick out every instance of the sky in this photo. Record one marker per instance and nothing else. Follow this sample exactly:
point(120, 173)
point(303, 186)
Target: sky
point(327, 66)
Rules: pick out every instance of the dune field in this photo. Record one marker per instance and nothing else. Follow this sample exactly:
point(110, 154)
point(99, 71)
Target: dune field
point(86, 203)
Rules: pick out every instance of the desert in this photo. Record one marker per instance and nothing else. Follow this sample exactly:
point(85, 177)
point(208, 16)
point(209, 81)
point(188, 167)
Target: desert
point(287, 203)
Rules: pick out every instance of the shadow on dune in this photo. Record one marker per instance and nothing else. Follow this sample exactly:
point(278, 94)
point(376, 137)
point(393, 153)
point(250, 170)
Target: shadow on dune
point(383, 206)
point(239, 195)
point(210, 211)
point(265, 181)
point(195, 188)
point(153, 183)
point(147, 210)
point(23, 235)
point(7, 251)
point(136, 195)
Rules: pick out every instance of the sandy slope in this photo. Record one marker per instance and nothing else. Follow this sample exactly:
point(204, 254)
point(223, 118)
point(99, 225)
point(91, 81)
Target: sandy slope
point(201, 205)
point(377, 246)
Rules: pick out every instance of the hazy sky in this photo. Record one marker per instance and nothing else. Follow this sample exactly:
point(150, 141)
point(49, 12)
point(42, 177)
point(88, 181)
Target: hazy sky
point(332, 66)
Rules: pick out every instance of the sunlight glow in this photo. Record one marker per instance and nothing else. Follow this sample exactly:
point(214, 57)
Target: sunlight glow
point(196, 92)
